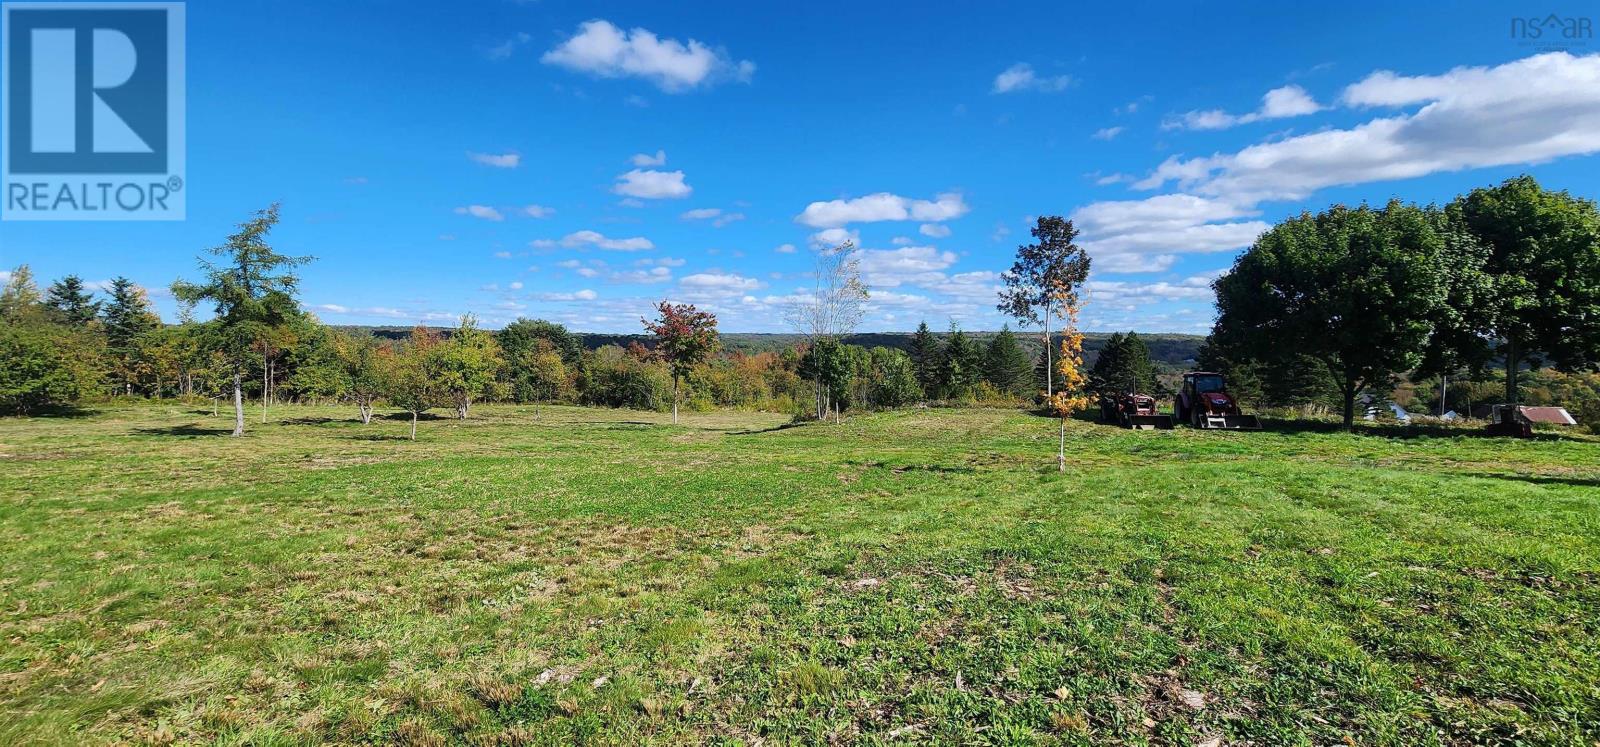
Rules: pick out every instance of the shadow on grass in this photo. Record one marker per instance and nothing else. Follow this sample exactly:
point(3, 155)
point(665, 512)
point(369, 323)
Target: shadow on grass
point(57, 411)
point(1582, 482)
point(898, 468)
point(779, 427)
point(1394, 430)
point(187, 430)
point(377, 437)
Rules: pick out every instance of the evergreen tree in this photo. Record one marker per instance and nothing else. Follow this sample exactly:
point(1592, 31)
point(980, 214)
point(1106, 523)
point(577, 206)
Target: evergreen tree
point(925, 359)
point(961, 365)
point(72, 303)
point(1006, 365)
point(127, 318)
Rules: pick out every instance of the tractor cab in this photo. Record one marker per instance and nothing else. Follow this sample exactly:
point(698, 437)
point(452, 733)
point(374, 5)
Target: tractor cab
point(1204, 402)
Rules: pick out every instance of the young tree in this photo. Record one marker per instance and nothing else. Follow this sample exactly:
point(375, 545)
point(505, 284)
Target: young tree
point(466, 365)
point(359, 357)
point(1356, 289)
point(893, 380)
point(684, 338)
point(1540, 294)
point(836, 305)
point(523, 342)
point(1045, 279)
point(410, 381)
point(253, 292)
point(72, 303)
point(543, 373)
point(1072, 395)
point(1007, 366)
point(925, 359)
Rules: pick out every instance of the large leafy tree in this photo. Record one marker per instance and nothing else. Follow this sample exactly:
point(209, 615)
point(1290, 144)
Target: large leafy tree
point(1357, 289)
point(685, 337)
point(252, 289)
point(1044, 280)
point(1537, 299)
point(410, 378)
point(361, 364)
point(19, 298)
point(72, 302)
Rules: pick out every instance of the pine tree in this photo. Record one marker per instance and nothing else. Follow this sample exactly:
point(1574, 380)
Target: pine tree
point(1006, 365)
point(925, 359)
point(961, 364)
point(73, 304)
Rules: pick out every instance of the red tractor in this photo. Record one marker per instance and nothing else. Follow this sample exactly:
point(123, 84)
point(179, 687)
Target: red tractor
point(1204, 402)
point(1136, 411)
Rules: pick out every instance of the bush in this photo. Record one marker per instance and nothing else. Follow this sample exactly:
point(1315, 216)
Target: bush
point(42, 368)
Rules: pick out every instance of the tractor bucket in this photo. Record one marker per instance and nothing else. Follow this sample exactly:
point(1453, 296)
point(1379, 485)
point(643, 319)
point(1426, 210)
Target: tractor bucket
point(1150, 422)
point(1231, 422)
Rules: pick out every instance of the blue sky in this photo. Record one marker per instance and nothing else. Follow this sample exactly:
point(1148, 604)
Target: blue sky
point(577, 161)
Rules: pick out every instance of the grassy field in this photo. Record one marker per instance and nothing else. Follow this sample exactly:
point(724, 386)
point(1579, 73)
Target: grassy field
point(921, 576)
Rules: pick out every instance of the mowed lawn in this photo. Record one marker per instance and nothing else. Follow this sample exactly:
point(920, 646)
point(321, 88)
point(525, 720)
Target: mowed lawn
point(925, 576)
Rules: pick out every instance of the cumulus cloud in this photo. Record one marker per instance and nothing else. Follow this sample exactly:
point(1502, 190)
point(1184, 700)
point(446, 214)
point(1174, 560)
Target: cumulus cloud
point(581, 295)
point(882, 206)
point(642, 277)
point(652, 185)
point(481, 211)
point(497, 160)
point(1527, 111)
point(601, 49)
point(785, 249)
point(645, 160)
point(1278, 103)
point(1021, 77)
point(1107, 133)
point(597, 239)
point(889, 268)
point(536, 211)
point(717, 216)
point(828, 237)
point(934, 230)
point(715, 284)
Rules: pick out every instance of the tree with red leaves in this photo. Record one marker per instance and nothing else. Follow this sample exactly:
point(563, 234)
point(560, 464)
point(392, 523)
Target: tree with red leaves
point(684, 338)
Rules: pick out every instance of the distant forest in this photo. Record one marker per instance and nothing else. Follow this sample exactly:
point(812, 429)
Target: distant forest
point(1169, 352)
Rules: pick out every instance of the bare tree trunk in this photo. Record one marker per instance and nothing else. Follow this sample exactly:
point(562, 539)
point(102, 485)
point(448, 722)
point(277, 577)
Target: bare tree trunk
point(238, 404)
point(674, 400)
point(366, 411)
point(1049, 368)
point(1513, 363)
point(264, 359)
point(1061, 453)
point(413, 425)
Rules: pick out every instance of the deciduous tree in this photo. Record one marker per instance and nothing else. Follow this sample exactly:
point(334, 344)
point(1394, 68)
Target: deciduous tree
point(1357, 289)
point(835, 306)
point(684, 338)
point(466, 365)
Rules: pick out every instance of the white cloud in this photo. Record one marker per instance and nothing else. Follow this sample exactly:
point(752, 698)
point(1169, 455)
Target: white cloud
point(660, 262)
point(1021, 77)
point(882, 206)
point(582, 295)
point(536, 211)
point(642, 277)
point(1194, 288)
point(481, 211)
point(1107, 133)
point(715, 284)
point(652, 185)
point(1278, 103)
point(502, 255)
point(1527, 111)
point(934, 230)
point(1146, 235)
point(499, 161)
point(595, 238)
point(785, 249)
point(828, 237)
point(888, 268)
point(645, 160)
point(515, 285)
point(701, 213)
point(603, 50)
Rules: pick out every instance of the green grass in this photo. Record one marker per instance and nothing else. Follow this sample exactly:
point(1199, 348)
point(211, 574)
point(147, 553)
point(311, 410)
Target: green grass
point(921, 576)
